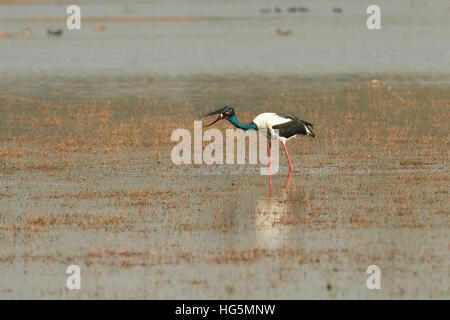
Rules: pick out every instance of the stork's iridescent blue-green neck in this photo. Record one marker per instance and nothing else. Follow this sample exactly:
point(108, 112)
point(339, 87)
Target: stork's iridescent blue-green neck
point(228, 113)
point(243, 126)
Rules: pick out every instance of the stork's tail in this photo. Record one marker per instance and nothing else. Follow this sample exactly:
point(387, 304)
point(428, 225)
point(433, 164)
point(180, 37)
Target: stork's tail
point(309, 129)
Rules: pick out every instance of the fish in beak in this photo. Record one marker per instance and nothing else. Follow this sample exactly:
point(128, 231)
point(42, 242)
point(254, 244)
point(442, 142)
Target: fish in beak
point(219, 112)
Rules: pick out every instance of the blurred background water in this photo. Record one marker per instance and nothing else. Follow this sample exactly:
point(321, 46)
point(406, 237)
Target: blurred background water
point(147, 40)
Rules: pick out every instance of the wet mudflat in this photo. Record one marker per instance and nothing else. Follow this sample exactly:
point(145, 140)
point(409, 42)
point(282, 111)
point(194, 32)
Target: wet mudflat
point(91, 183)
point(86, 176)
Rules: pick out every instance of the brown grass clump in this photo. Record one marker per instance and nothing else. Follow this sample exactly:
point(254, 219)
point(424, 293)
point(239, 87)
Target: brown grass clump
point(7, 194)
point(48, 166)
point(126, 198)
point(43, 222)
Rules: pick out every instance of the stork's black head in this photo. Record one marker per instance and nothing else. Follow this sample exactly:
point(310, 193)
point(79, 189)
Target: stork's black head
point(224, 113)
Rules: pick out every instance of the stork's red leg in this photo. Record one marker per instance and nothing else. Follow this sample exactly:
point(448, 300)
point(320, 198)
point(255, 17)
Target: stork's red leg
point(270, 157)
point(288, 182)
point(291, 168)
point(270, 168)
point(270, 185)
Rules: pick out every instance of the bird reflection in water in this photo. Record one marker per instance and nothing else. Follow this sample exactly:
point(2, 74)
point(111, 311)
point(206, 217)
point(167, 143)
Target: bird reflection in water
point(272, 217)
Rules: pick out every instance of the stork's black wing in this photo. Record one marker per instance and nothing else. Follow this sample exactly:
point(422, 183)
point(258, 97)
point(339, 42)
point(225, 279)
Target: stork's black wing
point(294, 127)
point(295, 118)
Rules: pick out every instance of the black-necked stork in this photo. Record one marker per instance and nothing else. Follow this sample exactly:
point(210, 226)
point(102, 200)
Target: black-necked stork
point(54, 32)
point(287, 126)
point(284, 32)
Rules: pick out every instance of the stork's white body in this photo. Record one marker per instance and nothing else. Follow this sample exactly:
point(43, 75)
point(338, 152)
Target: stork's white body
point(267, 120)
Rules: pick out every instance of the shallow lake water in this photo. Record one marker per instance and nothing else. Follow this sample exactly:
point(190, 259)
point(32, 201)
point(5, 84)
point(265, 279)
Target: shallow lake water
point(176, 38)
point(141, 227)
point(86, 176)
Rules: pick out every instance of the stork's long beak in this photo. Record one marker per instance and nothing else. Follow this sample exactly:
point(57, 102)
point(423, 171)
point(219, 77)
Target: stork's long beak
point(220, 117)
point(219, 112)
point(216, 112)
